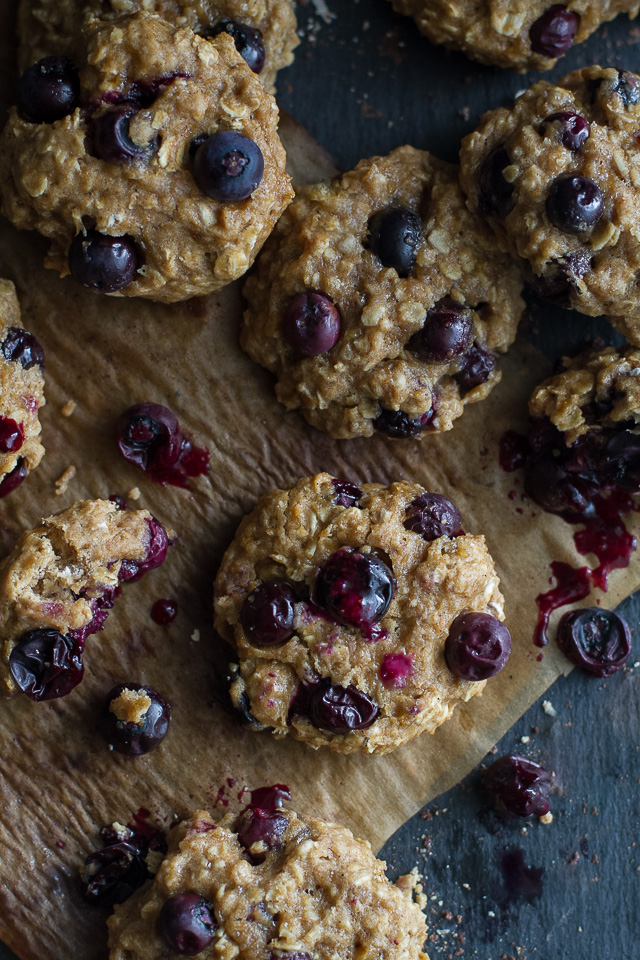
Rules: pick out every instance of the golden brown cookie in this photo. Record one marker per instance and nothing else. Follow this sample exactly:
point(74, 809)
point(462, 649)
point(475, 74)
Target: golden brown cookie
point(267, 884)
point(21, 394)
point(380, 302)
point(165, 174)
point(340, 601)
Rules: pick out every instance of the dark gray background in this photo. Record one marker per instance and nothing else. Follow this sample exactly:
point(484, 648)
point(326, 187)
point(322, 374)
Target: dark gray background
point(362, 84)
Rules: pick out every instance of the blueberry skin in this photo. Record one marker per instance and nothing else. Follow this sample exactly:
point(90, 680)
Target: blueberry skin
point(228, 167)
point(48, 90)
point(598, 641)
point(23, 348)
point(477, 647)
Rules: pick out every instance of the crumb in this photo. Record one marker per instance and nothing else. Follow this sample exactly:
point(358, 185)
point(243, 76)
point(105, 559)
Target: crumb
point(195, 636)
point(524, 739)
point(464, 113)
point(68, 408)
point(411, 885)
point(134, 494)
point(549, 708)
point(63, 482)
point(547, 818)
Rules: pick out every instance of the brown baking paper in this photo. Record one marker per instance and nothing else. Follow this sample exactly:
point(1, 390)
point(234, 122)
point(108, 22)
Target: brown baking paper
point(59, 783)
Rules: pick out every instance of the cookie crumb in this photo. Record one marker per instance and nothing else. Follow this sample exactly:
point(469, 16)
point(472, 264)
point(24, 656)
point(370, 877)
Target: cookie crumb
point(134, 494)
point(547, 818)
point(68, 408)
point(411, 885)
point(63, 482)
point(549, 708)
point(195, 636)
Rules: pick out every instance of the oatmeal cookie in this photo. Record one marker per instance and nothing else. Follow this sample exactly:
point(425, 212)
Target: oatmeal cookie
point(154, 169)
point(264, 30)
point(340, 601)
point(267, 884)
point(21, 394)
point(380, 302)
point(529, 35)
point(57, 586)
point(558, 178)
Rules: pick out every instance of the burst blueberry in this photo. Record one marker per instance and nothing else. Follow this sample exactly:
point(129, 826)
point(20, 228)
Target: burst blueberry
point(135, 719)
point(598, 641)
point(23, 348)
point(311, 324)
point(518, 786)
point(432, 516)
point(45, 664)
point(187, 923)
point(354, 588)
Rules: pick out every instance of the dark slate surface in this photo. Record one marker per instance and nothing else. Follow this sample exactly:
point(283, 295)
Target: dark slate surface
point(364, 83)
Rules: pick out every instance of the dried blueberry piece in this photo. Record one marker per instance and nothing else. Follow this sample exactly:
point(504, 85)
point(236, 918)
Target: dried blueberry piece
point(104, 263)
point(395, 235)
point(268, 612)
point(574, 204)
point(447, 333)
point(340, 709)
point(496, 194)
point(112, 874)
point(110, 138)
point(23, 348)
point(261, 831)
point(354, 588)
point(628, 88)
point(399, 425)
point(432, 516)
point(48, 90)
point(598, 641)
point(553, 33)
point(477, 366)
point(518, 786)
point(228, 166)
point(11, 435)
point(477, 647)
point(573, 128)
point(248, 41)
point(149, 436)
point(347, 494)
point(187, 922)
point(311, 324)
point(13, 480)
point(135, 719)
point(46, 665)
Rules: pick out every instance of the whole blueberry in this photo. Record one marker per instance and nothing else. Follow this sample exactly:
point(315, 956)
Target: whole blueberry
point(496, 193)
point(228, 166)
point(432, 516)
point(261, 831)
point(553, 33)
point(395, 234)
point(267, 614)
point(11, 435)
point(135, 719)
point(446, 334)
point(556, 490)
point(112, 874)
point(187, 922)
point(311, 324)
point(13, 480)
point(248, 41)
point(354, 588)
point(149, 436)
point(23, 348)
point(399, 425)
point(340, 709)
point(103, 263)
point(518, 786)
point(46, 664)
point(574, 204)
point(477, 365)
point(573, 128)
point(598, 641)
point(477, 647)
point(48, 90)
point(110, 138)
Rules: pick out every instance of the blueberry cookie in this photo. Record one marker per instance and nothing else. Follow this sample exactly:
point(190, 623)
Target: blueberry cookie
point(380, 302)
point(264, 31)
point(150, 160)
point(267, 884)
point(558, 178)
point(57, 586)
point(357, 613)
point(529, 35)
point(21, 394)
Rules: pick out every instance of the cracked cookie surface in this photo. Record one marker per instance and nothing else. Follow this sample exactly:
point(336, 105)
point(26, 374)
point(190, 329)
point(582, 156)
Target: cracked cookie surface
point(316, 892)
point(374, 370)
point(355, 676)
point(21, 394)
point(150, 95)
point(558, 178)
point(61, 579)
point(48, 27)
point(521, 36)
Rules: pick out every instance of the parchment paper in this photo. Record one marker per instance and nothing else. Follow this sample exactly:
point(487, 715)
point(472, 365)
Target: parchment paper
point(59, 783)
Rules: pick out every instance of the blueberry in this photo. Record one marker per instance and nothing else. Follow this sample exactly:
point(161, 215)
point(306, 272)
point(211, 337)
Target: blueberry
point(228, 167)
point(447, 333)
point(432, 516)
point(164, 612)
point(628, 88)
point(620, 460)
point(23, 348)
point(13, 480)
point(46, 665)
point(135, 719)
point(187, 922)
point(347, 494)
point(48, 90)
point(573, 129)
point(477, 647)
point(496, 194)
point(399, 425)
point(103, 263)
point(261, 831)
point(395, 670)
point(132, 570)
point(11, 435)
point(518, 786)
point(110, 138)
point(477, 366)
point(395, 235)
point(311, 324)
point(553, 33)
point(557, 490)
point(149, 437)
point(248, 41)
point(354, 588)
point(563, 276)
point(268, 612)
point(340, 709)
point(598, 641)
point(112, 874)
point(574, 204)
